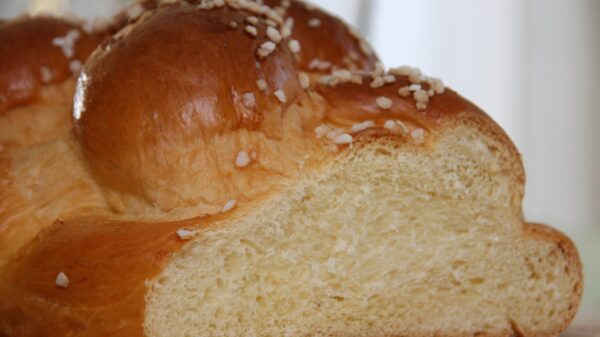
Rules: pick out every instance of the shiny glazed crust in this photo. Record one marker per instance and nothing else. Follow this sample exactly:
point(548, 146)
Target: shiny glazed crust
point(26, 46)
point(39, 58)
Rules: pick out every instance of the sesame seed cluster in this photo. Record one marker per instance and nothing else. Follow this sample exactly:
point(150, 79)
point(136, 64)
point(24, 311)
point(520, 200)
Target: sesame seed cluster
point(421, 88)
point(278, 34)
point(417, 89)
point(67, 44)
point(335, 135)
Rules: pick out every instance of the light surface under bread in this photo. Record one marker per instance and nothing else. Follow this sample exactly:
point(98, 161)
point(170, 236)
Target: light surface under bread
point(135, 193)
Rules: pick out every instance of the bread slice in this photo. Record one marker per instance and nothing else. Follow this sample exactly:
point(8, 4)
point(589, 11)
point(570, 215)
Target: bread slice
point(384, 239)
point(385, 242)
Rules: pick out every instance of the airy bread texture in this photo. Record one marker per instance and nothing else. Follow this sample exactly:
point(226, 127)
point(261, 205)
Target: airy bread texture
point(215, 185)
point(387, 241)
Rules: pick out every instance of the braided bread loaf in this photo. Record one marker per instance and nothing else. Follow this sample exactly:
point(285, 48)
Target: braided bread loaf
point(248, 169)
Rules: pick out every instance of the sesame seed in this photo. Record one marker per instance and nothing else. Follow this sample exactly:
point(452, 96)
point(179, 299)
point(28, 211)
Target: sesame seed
point(327, 80)
point(421, 96)
point(438, 86)
point(90, 26)
point(294, 46)
point(254, 155)
point(280, 10)
point(262, 84)
point(414, 87)
point(251, 30)
point(389, 79)
point(288, 26)
point(273, 34)
point(343, 139)
point(286, 3)
point(319, 65)
point(378, 82)
point(209, 4)
point(242, 159)
point(271, 23)
point(260, 9)
point(134, 12)
point(47, 74)
point(415, 75)
point(342, 75)
point(418, 134)
point(229, 205)
point(389, 124)
point(266, 49)
point(430, 92)
point(75, 66)
point(332, 134)
point(404, 92)
point(67, 42)
point(321, 130)
point(314, 22)
point(362, 126)
point(310, 6)
point(379, 69)
point(384, 102)
point(233, 24)
point(365, 47)
point(62, 281)
point(401, 71)
point(253, 20)
point(421, 106)
point(281, 96)
point(402, 126)
point(249, 100)
point(304, 80)
point(357, 79)
point(185, 234)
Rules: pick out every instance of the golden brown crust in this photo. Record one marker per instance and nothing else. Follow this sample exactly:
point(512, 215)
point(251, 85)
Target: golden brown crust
point(31, 202)
point(351, 102)
point(345, 48)
point(107, 273)
point(26, 47)
point(129, 119)
point(213, 66)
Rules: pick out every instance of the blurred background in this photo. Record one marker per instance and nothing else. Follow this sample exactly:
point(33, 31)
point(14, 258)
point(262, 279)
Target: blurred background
point(533, 65)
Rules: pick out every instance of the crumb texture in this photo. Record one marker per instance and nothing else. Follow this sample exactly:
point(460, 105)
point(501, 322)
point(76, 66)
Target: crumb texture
point(385, 242)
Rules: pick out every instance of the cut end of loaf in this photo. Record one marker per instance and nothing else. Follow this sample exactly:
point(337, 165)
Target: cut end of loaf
point(385, 242)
